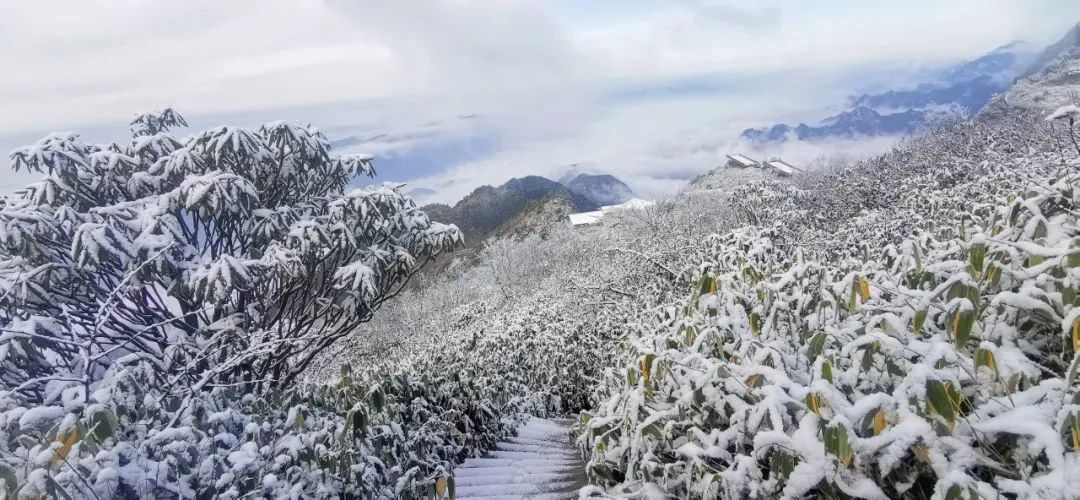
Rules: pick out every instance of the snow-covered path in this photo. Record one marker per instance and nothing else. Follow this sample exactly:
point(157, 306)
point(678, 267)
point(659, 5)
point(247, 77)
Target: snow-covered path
point(540, 462)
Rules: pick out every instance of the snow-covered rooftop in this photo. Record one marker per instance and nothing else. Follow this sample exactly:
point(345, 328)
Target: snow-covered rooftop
point(783, 167)
point(586, 218)
point(742, 160)
point(632, 204)
point(590, 218)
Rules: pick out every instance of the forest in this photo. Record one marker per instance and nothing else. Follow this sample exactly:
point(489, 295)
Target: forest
point(224, 314)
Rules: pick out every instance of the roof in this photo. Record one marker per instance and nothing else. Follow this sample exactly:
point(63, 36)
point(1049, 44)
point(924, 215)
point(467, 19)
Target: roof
point(632, 204)
point(742, 160)
point(783, 167)
point(586, 218)
point(590, 218)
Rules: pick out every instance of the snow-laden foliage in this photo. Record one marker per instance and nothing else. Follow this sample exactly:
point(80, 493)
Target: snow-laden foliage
point(535, 319)
point(146, 285)
point(908, 327)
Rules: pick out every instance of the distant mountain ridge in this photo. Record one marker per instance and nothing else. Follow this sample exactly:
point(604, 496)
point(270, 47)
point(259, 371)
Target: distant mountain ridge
point(1053, 80)
point(484, 211)
point(960, 92)
point(600, 189)
point(859, 121)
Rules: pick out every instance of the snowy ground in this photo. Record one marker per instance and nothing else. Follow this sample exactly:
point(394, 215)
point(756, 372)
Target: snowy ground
point(540, 462)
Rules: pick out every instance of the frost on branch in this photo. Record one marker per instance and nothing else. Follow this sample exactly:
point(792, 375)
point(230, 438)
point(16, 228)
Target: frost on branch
point(904, 328)
point(142, 280)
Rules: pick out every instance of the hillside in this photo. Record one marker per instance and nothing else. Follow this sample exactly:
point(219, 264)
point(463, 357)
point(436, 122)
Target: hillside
point(759, 338)
point(1055, 81)
point(602, 190)
point(484, 211)
point(219, 313)
point(725, 179)
point(957, 93)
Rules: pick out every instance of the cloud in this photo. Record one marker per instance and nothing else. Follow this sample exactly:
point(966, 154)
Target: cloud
point(646, 89)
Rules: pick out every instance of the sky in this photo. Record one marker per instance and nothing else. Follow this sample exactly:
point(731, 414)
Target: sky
point(451, 94)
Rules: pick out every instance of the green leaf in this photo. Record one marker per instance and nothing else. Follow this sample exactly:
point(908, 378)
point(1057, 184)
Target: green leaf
point(378, 399)
point(816, 346)
point(919, 320)
point(755, 324)
point(976, 259)
point(103, 425)
point(708, 285)
point(689, 335)
point(8, 475)
point(963, 321)
point(1068, 295)
point(837, 444)
point(956, 492)
point(943, 400)
point(814, 401)
point(984, 357)
point(826, 371)
point(868, 356)
point(782, 464)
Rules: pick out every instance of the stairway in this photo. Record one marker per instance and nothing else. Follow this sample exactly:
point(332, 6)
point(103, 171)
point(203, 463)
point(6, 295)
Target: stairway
point(541, 462)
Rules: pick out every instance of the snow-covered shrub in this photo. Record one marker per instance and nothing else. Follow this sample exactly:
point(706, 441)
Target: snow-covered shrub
point(145, 286)
point(370, 435)
point(913, 332)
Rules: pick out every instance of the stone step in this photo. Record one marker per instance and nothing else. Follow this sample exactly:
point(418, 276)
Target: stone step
point(540, 462)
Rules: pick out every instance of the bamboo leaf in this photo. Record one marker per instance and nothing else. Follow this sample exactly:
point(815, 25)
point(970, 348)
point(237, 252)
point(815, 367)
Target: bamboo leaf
point(984, 357)
point(646, 366)
point(1076, 336)
point(863, 288)
point(918, 321)
point(816, 346)
point(963, 321)
point(879, 422)
point(67, 440)
point(939, 401)
point(826, 371)
point(813, 402)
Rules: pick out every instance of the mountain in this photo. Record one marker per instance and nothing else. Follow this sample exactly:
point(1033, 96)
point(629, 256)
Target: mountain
point(1002, 65)
point(857, 122)
point(600, 189)
point(1053, 80)
point(484, 211)
point(970, 95)
point(537, 218)
point(961, 91)
point(1058, 51)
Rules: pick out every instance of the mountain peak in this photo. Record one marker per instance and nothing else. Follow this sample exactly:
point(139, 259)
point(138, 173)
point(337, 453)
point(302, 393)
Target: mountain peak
point(484, 211)
point(602, 189)
point(1053, 79)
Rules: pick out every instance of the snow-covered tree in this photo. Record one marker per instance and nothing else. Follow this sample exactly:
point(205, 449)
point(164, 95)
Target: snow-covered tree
point(232, 256)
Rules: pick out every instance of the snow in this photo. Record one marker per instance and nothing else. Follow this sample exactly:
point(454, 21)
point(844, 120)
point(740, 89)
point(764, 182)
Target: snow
point(782, 167)
point(1070, 111)
point(40, 416)
point(742, 160)
point(595, 217)
point(540, 462)
point(586, 218)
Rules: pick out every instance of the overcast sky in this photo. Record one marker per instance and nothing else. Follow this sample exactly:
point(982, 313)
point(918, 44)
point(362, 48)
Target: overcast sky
point(616, 85)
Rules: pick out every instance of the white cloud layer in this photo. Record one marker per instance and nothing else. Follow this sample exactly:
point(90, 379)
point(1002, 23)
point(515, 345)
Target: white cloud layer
point(540, 73)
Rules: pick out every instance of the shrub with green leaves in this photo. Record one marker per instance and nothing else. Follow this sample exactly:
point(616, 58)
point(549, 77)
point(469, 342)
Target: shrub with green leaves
point(160, 296)
point(861, 364)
